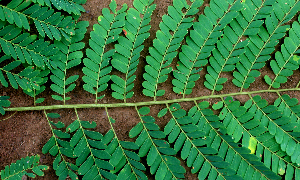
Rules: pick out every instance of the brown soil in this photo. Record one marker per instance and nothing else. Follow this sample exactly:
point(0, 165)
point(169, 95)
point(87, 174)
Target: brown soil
point(25, 133)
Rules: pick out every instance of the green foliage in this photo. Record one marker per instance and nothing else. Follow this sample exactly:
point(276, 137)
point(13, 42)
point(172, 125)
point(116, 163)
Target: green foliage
point(71, 54)
point(230, 47)
point(267, 126)
point(60, 148)
point(68, 6)
point(230, 139)
point(35, 92)
point(200, 43)
point(25, 48)
point(199, 134)
point(151, 143)
point(166, 45)
point(97, 67)
point(20, 168)
point(126, 58)
point(260, 47)
point(282, 66)
point(47, 22)
point(124, 159)
point(28, 79)
point(4, 102)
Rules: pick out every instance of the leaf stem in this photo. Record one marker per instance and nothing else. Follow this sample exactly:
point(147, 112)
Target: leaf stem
point(9, 116)
point(298, 85)
point(71, 106)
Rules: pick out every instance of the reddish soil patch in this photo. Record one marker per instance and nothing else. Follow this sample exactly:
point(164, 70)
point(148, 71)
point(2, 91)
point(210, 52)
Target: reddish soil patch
point(25, 133)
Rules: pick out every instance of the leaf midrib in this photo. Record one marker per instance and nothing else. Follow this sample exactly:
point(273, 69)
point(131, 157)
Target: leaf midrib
point(101, 57)
point(25, 47)
point(88, 145)
point(56, 143)
point(71, 106)
point(229, 145)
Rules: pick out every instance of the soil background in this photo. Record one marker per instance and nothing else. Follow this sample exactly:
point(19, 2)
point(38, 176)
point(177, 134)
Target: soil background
point(25, 133)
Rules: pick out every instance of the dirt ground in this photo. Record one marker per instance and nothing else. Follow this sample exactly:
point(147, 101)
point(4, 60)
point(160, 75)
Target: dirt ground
point(25, 133)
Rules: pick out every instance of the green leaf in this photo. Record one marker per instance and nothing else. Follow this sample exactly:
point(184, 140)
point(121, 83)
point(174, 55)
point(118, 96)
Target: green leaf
point(85, 167)
point(61, 134)
point(217, 105)
point(48, 145)
point(53, 115)
point(39, 100)
point(162, 112)
point(56, 97)
point(144, 111)
point(136, 130)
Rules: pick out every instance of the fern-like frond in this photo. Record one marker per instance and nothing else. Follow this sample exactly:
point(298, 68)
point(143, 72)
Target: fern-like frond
point(201, 42)
point(43, 74)
point(70, 57)
point(126, 58)
point(46, 21)
point(252, 125)
point(26, 48)
point(289, 106)
point(263, 43)
point(279, 125)
point(97, 64)
point(9, 13)
point(182, 130)
point(166, 44)
point(28, 79)
point(57, 147)
point(124, 159)
point(70, 6)
point(284, 63)
point(160, 156)
point(90, 150)
point(18, 169)
point(4, 102)
point(230, 47)
point(207, 149)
